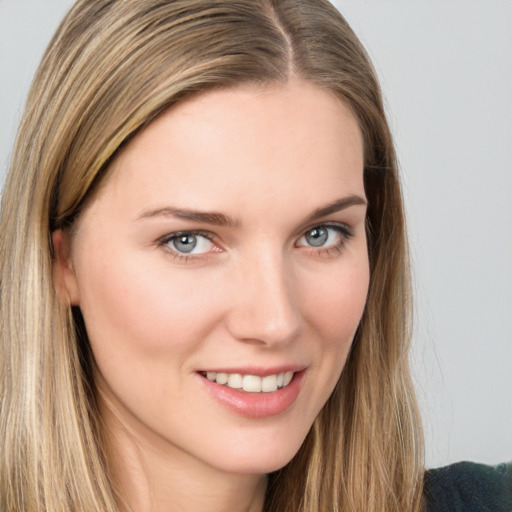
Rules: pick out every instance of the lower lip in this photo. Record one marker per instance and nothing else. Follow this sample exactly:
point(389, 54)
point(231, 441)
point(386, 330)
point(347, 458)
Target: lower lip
point(256, 405)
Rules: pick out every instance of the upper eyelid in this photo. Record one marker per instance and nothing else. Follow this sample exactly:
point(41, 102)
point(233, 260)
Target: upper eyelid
point(210, 236)
point(340, 226)
point(196, 232)
point(345, 230)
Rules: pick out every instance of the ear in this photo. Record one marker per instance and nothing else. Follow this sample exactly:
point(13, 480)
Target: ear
point(64, 276)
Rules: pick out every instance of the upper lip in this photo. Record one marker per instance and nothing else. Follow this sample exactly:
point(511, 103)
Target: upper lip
point(258, 371)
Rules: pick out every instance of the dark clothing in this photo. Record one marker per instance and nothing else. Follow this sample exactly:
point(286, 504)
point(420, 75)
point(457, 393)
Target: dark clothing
point(469, 487)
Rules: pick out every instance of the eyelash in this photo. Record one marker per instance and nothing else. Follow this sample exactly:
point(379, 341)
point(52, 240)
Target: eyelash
point(179, 256)
point(343, 231)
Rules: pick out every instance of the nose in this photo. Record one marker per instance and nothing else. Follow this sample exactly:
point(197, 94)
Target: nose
point(264, 308)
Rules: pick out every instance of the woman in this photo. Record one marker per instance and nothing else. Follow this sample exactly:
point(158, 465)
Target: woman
point(205, 295)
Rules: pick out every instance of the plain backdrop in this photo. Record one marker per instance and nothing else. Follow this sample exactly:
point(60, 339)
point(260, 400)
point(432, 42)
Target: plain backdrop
point(446, 72)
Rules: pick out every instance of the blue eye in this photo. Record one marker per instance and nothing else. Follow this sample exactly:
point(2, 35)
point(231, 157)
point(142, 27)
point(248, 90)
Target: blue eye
point(325, 237)
point(317, 237)
point(188, 243)
point(185, 243)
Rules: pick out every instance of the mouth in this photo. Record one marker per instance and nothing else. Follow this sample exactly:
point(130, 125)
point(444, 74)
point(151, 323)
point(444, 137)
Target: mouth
point(255, 392)
point(250, 383)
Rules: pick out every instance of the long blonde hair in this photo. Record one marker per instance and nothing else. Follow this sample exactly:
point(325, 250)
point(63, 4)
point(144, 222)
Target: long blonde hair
point(112, 67)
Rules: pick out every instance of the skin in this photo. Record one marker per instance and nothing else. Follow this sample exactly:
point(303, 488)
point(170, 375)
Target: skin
point(256, 294)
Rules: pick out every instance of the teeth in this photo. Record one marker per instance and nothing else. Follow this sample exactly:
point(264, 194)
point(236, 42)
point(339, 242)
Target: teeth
point(269, 384)
point(235, 381)
point(221, 378)
point(251, 383)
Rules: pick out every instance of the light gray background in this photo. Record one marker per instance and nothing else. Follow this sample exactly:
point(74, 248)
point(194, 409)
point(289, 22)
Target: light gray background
point(446, 71)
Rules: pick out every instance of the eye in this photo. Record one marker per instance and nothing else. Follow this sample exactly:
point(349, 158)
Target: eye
point(188, 242)
point(317, 237)
point(325, 237)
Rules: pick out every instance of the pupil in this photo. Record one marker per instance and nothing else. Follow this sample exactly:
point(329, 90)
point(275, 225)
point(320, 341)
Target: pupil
point(185, 243)
point(317, 237)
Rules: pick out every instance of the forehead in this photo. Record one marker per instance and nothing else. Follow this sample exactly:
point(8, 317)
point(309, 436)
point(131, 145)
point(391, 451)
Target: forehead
point(293, 143)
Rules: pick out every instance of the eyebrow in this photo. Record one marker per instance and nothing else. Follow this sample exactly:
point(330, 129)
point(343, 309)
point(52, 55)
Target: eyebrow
point(336, 206)
point(220, 219)
point(213, 218)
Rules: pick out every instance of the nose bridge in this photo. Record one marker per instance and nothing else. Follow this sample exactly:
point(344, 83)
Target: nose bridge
point(266, 308)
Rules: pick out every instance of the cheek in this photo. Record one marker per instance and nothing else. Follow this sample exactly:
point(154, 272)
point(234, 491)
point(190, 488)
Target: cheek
point(334, 315)
point(144, 309)
point(337, 306)
point(335, 303)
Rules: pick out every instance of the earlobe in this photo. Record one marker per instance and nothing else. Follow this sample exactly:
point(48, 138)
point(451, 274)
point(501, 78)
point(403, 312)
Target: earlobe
point(64, 277)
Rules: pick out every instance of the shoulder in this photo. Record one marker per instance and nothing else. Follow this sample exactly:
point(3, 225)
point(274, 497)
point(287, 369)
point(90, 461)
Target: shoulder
point(469, 487)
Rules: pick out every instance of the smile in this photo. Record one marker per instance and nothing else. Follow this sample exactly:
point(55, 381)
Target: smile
point(251, 383)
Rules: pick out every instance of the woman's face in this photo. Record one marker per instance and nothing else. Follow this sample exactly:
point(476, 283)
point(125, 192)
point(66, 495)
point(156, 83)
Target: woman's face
point(226, 244)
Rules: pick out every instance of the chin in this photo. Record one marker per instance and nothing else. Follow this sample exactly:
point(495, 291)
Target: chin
point(260, 457)
point(261, 466)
